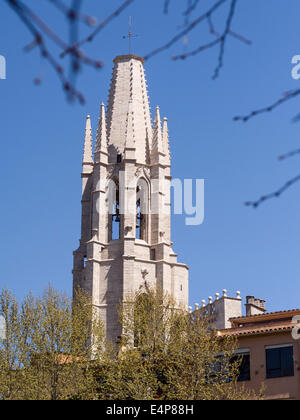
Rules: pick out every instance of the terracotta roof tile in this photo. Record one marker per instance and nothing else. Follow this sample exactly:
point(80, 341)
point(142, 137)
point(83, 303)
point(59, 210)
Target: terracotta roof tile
point(264, 328)
point(265, 314)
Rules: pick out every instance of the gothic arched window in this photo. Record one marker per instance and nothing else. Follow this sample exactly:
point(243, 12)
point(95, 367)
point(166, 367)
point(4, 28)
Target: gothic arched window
point(115, 234)
point(114, 210)
point(141, 209)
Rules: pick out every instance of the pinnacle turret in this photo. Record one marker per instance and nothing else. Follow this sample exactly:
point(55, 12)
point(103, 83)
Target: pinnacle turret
point(165, 140)
point(157, 150)
point(101, 141)
point(88, 143)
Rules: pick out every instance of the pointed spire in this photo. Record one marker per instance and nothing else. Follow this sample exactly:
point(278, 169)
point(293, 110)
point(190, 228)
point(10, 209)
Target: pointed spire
point(157, 144)
point(101, 141)
point(128, 84)
point(88, 151)
point(165, 139)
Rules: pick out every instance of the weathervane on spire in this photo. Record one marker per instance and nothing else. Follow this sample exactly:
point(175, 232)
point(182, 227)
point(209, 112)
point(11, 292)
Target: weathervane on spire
point(130, 34)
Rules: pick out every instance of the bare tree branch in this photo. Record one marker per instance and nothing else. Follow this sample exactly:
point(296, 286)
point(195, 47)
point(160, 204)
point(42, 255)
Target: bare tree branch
point(191, 7)
point(98, 29)
point(40, 29)
point(166, 6)
point(277, 193)
point(240, 37)
point(39, 41)
point(24, 9)
point(224, 38)
point(289, 154)
point(211, 26)
point(73, 13)
point(73, 37)
point(187, 30)
point(197, 50)
point(221, 40)
point(287, 96)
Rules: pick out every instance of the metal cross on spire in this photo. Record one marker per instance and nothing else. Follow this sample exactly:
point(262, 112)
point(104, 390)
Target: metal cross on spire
point(130, 35)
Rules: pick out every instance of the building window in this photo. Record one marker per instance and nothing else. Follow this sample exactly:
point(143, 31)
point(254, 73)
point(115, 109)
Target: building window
point(279, 361)
point(244, 368)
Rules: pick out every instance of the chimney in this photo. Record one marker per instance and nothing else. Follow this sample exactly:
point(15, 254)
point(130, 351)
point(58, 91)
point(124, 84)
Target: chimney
point(255, 306)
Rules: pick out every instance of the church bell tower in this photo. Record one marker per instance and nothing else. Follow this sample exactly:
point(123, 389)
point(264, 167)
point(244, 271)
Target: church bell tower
point(125, 228)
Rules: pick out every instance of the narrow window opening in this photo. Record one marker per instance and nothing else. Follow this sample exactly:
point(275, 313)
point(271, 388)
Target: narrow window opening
point(115, 217)
point(141, 210)
point(119, 158)
point(152, 254)
point(84, 261)
point(139, 220)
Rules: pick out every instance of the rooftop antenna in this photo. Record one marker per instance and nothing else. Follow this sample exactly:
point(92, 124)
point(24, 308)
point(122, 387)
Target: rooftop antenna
point(130, 35)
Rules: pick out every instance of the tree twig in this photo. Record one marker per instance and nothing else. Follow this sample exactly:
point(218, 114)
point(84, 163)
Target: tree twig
point(191, 7)
point(289, 154)
point(220, 40)
point(166, 6)
point(287, 96)
point(98, 29)
point(39, 41)
point(277, 193)
point(54, 37)
point(224, 38)
point(188, 29)
point(73, 13)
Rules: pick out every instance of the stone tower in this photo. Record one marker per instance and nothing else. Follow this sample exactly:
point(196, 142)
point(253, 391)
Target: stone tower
point(125, 229)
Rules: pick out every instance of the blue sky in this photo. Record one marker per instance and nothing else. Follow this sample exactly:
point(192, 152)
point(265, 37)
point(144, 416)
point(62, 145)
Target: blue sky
point(237, 248)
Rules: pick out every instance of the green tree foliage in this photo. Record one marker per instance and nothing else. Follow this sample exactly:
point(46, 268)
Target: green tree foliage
point(49, 347)
point(55, 349)
point(169, 354)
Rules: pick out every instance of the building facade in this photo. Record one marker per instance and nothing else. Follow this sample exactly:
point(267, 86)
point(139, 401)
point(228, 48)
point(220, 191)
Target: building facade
point(126, 210)
point(268, 344)
point(270, 353)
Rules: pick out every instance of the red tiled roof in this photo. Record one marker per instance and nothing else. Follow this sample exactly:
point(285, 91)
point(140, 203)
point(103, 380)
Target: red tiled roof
point(289, 311)
point(258, 320)
point(252, 329)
